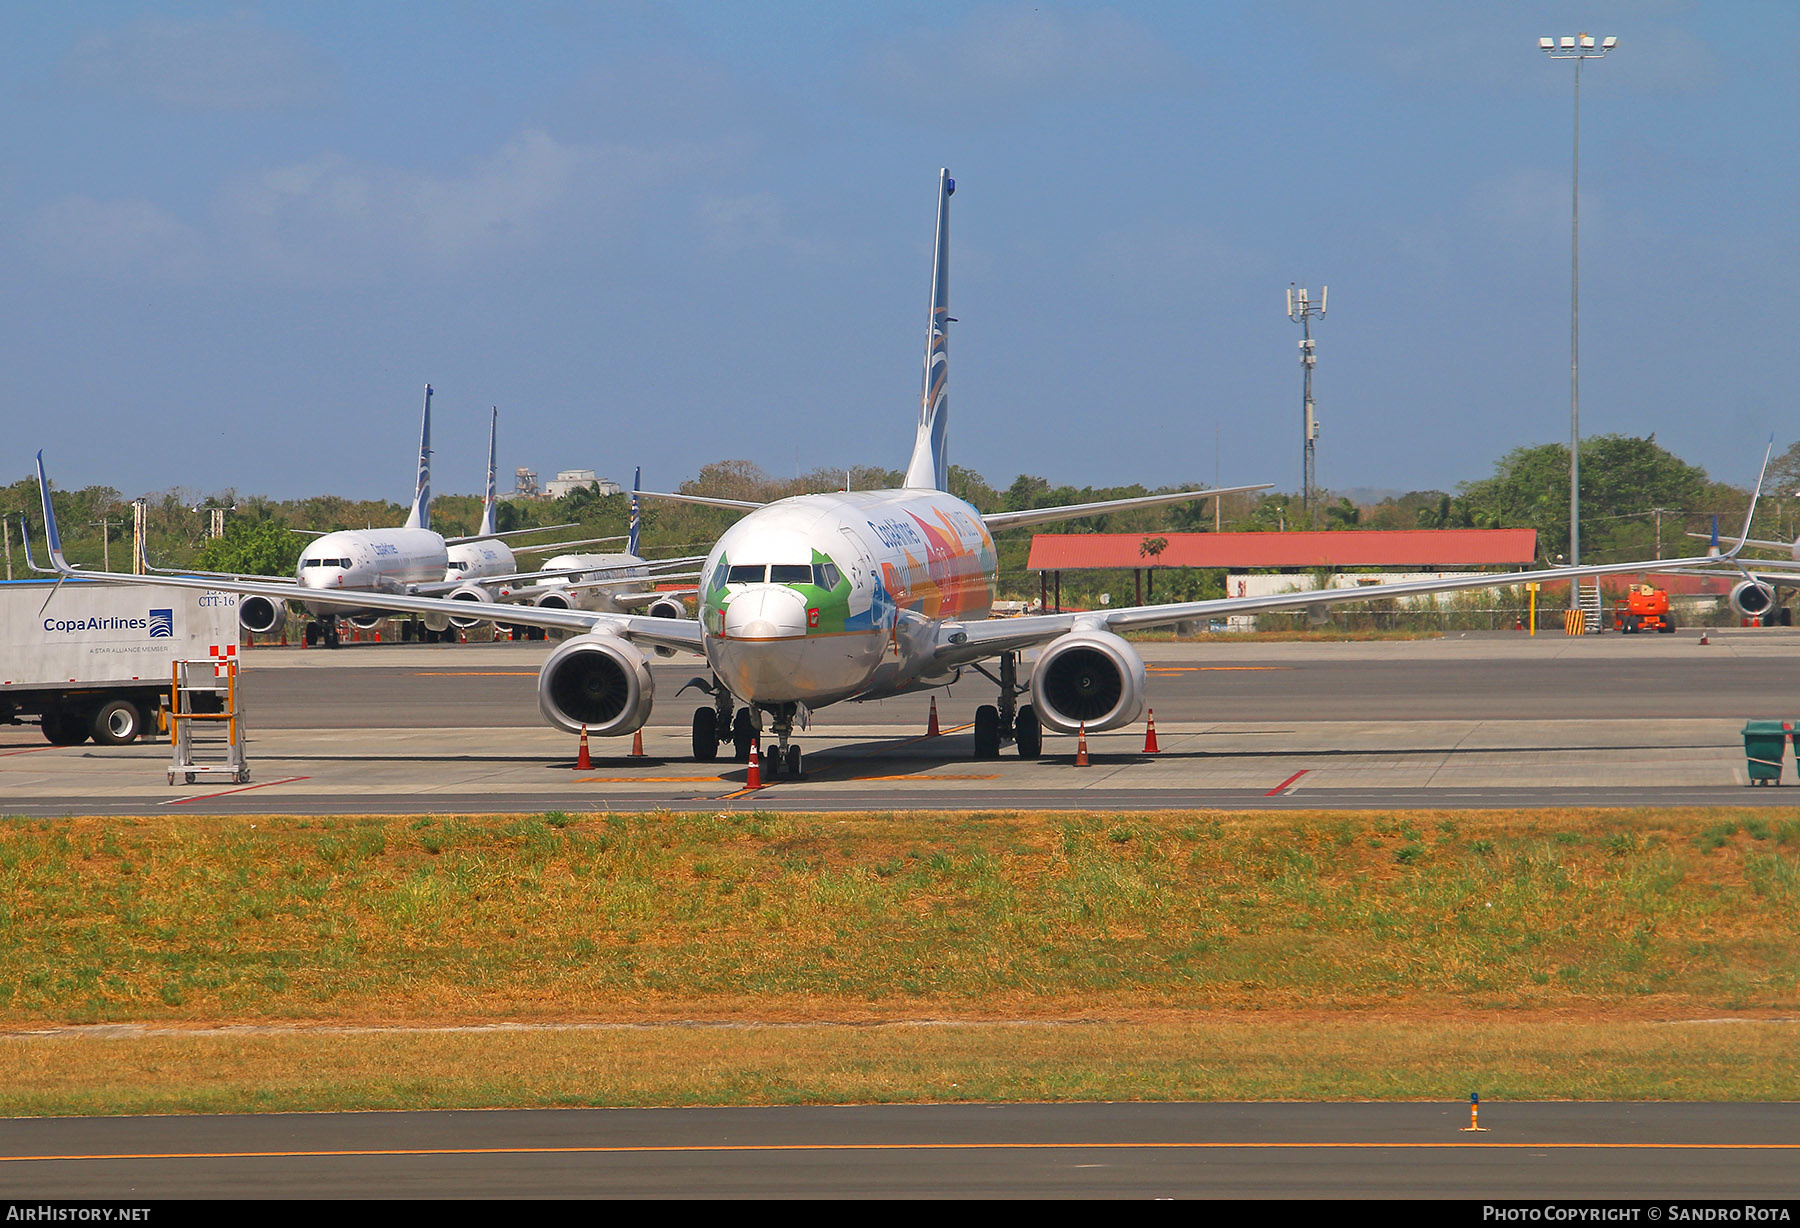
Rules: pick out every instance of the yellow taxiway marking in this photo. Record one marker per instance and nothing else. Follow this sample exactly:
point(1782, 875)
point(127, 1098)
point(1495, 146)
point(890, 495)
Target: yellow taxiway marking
point(679, 1149)
point(628, 780)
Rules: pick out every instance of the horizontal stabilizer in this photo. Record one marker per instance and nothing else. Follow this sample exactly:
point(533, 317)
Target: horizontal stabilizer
point(744, 505)
point(997, 521)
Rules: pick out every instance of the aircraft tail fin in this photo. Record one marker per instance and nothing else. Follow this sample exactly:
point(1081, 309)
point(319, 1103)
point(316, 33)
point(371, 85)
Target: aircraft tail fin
point(490, 505)
point(637, 481)
point(930, 465)
point(420, 516)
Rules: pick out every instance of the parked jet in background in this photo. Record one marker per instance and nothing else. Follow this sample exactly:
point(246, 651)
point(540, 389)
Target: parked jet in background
point(819, 599)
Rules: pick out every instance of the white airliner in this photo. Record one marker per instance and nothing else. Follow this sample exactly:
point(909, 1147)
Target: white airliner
point(818, 599)
point(413, 559)
point(614, 583)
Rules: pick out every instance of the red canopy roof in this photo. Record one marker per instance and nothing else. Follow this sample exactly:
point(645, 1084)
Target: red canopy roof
point(1421, 549)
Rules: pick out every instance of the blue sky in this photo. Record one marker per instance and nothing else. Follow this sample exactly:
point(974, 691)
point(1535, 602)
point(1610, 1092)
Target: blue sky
point(238, 239)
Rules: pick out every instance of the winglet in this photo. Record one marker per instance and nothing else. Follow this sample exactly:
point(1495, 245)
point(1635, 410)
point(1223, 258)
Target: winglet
point(30, 560)
point(420, 516)
point(1712, 546)
point(1762, 475)
point(57, 561)
point(631, 539)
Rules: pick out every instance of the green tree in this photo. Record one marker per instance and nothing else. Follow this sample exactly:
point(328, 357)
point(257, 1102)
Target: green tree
point(253, 548)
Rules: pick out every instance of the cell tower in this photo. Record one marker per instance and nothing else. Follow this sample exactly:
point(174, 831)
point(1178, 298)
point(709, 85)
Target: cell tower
point(1301, 311)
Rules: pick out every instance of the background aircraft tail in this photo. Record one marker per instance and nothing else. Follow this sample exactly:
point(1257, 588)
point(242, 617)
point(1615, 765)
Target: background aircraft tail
point(420, 516)
point(930, 464)
point(631, 540)
point(490, 505)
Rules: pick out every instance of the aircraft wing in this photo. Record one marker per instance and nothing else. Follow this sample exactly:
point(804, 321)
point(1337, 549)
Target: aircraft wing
point(964, 642)
point(488, 537)
point(997, 521)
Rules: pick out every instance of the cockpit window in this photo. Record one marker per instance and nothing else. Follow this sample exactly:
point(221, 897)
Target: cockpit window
point(746, 573)
point(459, 564)
point(791, 573)
point(826, 575)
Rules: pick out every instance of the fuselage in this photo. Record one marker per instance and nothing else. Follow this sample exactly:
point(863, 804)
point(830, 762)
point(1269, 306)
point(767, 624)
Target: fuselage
point(378, 560)
point(608, 574)
point(478, 560)
point(822, 598)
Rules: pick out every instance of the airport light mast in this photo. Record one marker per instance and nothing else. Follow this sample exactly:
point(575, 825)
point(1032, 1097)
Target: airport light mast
point(1301, 310)
point(1580, 47)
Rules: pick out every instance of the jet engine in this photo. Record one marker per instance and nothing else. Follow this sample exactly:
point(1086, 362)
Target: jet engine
point(471, 592)
point(599, 681)
point(554, 600)
point(666, 607)
point(262, 615)
point(1752, 599)
point(1088, 677)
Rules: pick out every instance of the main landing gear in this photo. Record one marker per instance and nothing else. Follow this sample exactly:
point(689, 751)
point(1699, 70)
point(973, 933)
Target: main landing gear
point(1007, 721)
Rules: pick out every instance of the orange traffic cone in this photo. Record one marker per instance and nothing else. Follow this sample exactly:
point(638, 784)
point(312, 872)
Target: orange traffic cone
point(1703, 635)
point(637, 744)
point(1081, 747)
point(931, 725)
point(1150, 746)
point(582, 762)
point(754, 779)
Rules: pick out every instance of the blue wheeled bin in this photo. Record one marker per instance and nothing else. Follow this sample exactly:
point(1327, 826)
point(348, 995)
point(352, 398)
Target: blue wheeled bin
point(1765, 746)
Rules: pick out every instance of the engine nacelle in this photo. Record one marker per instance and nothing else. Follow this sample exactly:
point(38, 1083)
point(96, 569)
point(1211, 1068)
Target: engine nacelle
point(1752, 599)
point(556, 599)
point(599, 681)
point(473, 593)
point(666, 607)
point(1088, 677)
point(262, 615)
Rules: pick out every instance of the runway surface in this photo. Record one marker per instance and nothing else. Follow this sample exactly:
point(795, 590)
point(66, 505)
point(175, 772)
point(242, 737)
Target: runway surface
point(1461, 722)
point(1538, 1151)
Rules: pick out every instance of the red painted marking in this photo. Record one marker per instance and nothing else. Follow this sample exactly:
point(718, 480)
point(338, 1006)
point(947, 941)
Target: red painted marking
point(1283, 786)
point(182, 801)
point(30, 750)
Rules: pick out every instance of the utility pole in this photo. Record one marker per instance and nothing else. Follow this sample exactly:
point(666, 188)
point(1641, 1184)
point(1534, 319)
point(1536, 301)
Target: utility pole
point(1301, 311)
point(105, 544)
point(1580, 47)
point(139, 521)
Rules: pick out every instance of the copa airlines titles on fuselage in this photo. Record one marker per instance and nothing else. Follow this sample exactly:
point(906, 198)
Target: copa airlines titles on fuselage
point(380, 560)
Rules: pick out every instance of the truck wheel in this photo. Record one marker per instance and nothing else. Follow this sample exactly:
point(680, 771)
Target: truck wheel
point(64, 729)
point(117, 722)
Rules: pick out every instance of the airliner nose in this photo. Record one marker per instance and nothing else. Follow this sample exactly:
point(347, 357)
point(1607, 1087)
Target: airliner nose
point(766, 612)
point(764, 644)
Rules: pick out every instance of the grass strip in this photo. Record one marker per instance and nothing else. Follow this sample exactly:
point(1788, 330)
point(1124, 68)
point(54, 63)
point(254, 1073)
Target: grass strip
point(1637, 914)
point(1310, 1059)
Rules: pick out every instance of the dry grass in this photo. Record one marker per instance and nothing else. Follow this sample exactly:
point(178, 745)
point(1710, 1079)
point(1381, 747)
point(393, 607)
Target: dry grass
point(1648, 914)
point(1227, 1058)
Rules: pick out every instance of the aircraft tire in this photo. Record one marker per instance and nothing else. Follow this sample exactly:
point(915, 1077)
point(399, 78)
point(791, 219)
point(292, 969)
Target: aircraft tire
point(743, 733)
point(706, 735)
point(987, 732)
point(794, 762)
point(1028, 735)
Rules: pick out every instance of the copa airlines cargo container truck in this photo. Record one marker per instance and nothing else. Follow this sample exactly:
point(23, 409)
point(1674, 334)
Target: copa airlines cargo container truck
point(96, 659)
